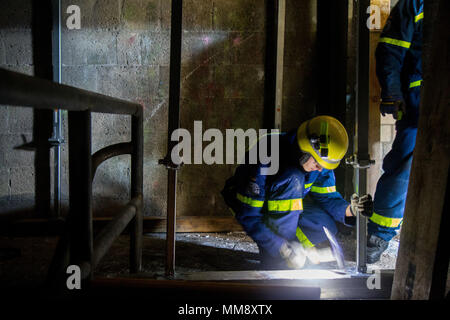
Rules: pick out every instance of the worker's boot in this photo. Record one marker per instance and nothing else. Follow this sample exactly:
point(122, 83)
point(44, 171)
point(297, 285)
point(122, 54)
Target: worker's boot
point(375, 247)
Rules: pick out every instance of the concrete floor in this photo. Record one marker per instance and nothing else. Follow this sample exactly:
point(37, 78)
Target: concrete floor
point(194, 252)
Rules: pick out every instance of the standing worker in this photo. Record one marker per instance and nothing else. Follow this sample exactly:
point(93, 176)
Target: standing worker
point(399, 71)
point(285, 213)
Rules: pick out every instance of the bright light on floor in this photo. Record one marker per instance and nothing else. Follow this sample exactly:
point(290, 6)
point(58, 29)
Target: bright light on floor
point(305, 274)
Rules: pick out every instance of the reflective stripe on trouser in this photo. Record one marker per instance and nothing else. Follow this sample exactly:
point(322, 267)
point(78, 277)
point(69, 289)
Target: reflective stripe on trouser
point(392, 187)
point(418, 17)
point(385, 221)
point(415, 84)
point(311, 222)
point(396, 42)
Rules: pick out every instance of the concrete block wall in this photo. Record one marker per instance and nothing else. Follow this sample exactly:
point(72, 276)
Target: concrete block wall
point(223, 82)
point(122, 50)
point(16, 124)
point(301, 81)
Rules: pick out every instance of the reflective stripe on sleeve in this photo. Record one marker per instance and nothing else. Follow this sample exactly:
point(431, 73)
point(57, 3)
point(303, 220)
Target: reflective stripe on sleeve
point(385, 221)
point(323, 189)
point(285, 205)
point(303, 239)
point(418, 17)
point(414, 84)
point(249, 201)
point(395, 42)
point(308, 185)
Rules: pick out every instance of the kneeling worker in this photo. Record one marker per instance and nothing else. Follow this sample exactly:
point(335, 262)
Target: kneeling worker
point(285, 213)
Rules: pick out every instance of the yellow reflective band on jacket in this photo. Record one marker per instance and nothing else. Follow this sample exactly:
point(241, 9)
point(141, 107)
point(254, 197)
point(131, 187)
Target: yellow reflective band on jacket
point(415, 84)
point(303, 239)
point(385, 221)
point(418, 17)
point(396, 42)
point(285, 205)
point(308, 185)
point(323, 189)
point(251, 202)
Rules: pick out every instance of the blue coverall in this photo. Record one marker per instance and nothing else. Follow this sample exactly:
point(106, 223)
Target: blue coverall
point(399, 71)
point(292, 205)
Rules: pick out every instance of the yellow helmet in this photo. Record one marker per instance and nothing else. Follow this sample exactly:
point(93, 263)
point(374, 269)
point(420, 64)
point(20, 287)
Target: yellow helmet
point(325, 138)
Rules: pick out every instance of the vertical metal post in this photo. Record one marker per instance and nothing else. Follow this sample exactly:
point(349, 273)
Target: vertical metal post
point(174, 123)
point(56, 140)
point(42, 119)
point(362, 126)
point(281, 27)
point(270, 63)
point(80, 189)
point(137, 172)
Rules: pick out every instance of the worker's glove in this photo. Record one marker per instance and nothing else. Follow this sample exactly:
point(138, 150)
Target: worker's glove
point(362, 205)
point(294, 254)
point(396, 108)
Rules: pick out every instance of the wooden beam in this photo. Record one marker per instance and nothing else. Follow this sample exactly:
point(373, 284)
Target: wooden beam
point(180, 290)
point(46, 227)
point(424, 241)
point(269, 284)
point(188, 224)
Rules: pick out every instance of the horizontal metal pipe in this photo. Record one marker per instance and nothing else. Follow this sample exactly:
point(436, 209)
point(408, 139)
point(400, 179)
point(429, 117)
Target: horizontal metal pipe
point(18, 89)
point(109, 152)
point(106, 237)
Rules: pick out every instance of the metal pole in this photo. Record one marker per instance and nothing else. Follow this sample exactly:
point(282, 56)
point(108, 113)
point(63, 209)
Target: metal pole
point(109, 152)
point(270, 63)
point(80, 190)
point(174, 123)
point(281, 27)
point(56, 140)
point(17, 89)
point(112, 230)
point(362, 127)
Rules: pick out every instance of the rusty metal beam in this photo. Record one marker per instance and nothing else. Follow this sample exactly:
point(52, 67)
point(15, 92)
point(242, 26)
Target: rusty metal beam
point(174, 123)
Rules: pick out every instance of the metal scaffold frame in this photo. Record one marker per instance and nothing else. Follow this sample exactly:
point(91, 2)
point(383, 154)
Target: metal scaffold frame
point(77, 245)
